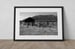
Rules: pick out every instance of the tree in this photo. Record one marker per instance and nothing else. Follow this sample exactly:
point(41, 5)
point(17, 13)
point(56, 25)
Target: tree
point(29, 20)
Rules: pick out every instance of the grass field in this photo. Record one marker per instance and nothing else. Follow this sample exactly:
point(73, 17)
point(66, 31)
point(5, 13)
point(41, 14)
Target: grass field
point(33, 30)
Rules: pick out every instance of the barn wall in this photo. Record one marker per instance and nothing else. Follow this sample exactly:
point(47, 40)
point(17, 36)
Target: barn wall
point(7, 15)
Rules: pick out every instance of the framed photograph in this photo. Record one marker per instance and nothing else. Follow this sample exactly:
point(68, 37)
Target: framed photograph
point(38, 23)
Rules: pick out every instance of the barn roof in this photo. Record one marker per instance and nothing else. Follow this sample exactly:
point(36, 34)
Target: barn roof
point(45, 18)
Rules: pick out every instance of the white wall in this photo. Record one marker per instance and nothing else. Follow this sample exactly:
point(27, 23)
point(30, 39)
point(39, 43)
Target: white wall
point(7, 15)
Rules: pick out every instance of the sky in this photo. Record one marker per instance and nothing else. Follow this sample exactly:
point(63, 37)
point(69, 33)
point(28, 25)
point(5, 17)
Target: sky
point(24, 15)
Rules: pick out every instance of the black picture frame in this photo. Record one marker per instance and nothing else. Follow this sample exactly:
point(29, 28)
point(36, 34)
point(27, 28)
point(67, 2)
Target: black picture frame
point(62, 14)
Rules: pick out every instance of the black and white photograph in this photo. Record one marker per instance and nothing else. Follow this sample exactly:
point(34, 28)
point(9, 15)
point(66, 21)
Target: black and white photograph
point(38, 23)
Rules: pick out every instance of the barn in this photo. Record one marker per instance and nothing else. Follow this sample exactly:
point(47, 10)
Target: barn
point(45, 20)
point(41, 20)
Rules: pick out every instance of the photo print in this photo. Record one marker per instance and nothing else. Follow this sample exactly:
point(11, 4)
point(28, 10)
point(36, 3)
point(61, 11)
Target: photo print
point(38, 23)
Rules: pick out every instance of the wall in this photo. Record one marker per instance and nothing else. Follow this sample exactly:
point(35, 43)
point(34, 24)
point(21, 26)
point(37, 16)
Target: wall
point(7, 15)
